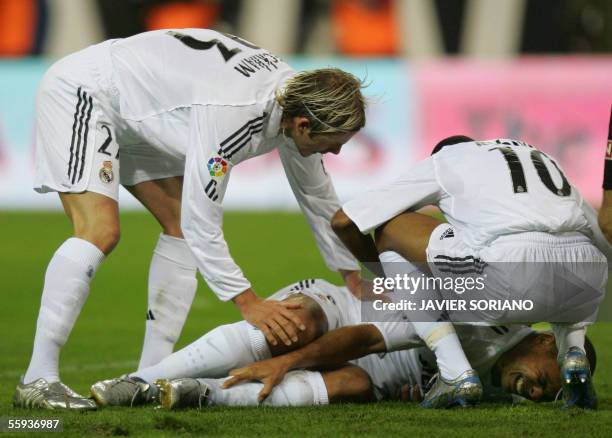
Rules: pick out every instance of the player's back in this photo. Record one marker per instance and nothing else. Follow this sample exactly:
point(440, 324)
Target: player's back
point(163, 70)
point(501, 187)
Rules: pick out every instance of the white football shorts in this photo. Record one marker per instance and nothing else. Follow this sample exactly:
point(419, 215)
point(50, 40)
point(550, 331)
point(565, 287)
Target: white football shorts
point(80, 138)
point(564, 274)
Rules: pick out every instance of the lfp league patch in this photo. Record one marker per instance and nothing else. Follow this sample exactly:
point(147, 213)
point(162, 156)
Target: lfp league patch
point(217, 166)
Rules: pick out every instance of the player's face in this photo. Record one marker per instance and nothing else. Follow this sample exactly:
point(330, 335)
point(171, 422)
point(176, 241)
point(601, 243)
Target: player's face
point(534, 375)
point(324, 143)
point(309, 144)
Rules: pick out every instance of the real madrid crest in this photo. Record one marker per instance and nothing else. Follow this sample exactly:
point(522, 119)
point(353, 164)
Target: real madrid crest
point(106, 173)
point(217, 166)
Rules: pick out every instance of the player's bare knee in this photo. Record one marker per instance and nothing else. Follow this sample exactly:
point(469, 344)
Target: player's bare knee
point(382, 238)
point(173, 229)
point(362, 384)
point(106, 238)
point(340, 221)
point(349, 384)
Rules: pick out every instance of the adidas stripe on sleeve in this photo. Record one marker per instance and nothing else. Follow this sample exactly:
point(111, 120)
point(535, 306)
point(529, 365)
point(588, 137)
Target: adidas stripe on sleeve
point(217, 135)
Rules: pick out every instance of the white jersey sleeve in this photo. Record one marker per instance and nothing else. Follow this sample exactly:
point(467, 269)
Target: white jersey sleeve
point(205, 181)
point(314, 192)
point(415, 188)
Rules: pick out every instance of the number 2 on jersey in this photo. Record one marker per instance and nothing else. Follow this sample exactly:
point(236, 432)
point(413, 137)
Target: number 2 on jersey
point(197, 44)
point(519, 183)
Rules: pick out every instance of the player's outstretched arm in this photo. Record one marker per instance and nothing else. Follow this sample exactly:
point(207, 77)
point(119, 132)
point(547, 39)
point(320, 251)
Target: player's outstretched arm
point(332, 349)
point(360, 245)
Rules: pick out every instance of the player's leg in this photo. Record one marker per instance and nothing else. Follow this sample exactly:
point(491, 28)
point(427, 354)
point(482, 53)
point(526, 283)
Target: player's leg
point(402, 244)
point(172, 273)
point(77, 156)
point(579, 285)
point(298, 388)
point(213, 355)
point(66, 287)
point(232, 346)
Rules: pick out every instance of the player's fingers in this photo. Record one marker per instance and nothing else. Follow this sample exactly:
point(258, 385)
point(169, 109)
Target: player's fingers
point(265, 391)
point(290, 305)
point(278, 331)
point(231, 381)
point(237, 375)
point(267, 333)
point(287, 325)
point(294, 318)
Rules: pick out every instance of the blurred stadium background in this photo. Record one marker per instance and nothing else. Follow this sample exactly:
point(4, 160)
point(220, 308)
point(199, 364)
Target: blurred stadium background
point(538, 70)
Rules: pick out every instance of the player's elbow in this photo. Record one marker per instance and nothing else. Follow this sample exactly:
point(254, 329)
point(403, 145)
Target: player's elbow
point(340, 222)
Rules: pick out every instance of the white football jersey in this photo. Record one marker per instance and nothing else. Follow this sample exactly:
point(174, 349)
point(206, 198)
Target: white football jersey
point(163, 70)
point(485, 188)
point(209, 98)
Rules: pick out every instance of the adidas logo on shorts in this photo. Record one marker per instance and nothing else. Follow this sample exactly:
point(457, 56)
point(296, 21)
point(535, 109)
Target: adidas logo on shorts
point(448, 233)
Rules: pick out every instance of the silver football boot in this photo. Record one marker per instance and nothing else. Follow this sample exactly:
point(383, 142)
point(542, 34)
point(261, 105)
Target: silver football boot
point(182, 393)
point(123, 391)
point(576, 380)
point(41, 394)
point(464, 391)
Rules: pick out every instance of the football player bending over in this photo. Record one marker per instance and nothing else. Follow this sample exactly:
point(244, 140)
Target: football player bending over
point(168, 114)
point(515, 220)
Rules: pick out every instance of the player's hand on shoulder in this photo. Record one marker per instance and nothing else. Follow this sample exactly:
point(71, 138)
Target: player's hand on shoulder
point(270, 372)
point(277, 320)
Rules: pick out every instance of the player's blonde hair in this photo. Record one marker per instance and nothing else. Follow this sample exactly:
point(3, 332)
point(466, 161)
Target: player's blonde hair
point(329, 98)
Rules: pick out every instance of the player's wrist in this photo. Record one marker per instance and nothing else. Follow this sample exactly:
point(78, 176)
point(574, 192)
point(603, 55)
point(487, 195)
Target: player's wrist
point(245, 299)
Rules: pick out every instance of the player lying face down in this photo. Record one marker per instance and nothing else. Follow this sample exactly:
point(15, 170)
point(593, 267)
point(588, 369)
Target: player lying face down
point(397, 375)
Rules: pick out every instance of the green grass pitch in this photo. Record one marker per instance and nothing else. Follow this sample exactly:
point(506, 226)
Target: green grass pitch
point(274, 249)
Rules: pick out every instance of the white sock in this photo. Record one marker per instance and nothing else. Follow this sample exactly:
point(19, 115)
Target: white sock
point(439, 335)
point(567, 336)
point(65, 290)
point(213, 355)
point(298, 388)
point(172, 287)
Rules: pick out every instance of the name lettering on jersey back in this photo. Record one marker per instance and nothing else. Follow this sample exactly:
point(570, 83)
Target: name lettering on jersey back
point(504, 141)
point(256, 63)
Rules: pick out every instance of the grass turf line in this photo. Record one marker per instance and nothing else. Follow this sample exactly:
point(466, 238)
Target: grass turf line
point(274, 249)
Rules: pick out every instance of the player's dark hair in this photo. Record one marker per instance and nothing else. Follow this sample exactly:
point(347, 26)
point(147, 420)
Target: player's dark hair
point(591, 354)
point(448, 141)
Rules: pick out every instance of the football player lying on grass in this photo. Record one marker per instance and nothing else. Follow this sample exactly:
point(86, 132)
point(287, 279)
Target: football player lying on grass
point(511, 360)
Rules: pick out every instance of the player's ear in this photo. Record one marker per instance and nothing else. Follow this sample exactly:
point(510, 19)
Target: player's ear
point(302, 124)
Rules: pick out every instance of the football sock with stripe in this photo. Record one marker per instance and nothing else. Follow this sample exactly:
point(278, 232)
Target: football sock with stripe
point(439, 335)
point(298, 388)
point(65, 290)
point(172, 287)
point(213, 355)
point(568, 336)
